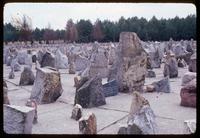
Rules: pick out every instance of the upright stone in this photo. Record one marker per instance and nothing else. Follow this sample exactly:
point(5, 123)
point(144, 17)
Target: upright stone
point(141, 118)
point(27, 77)
point(89, 93)
point(192, 65)
point(72, 68)
point(133, 61)
point(88, 124)
point(171, 66)
point(18, 119)
point(61, 60)
point(48, 59)
point(77, 112)
point(47, 87)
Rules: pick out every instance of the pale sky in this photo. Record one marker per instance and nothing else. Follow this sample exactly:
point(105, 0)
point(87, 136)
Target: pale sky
point(57, 14)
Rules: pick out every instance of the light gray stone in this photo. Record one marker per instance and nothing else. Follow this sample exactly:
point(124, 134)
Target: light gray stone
point(18, 119)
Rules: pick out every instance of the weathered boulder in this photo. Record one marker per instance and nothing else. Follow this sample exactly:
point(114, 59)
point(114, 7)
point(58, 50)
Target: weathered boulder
point(47, 86)
point(61, 60)
point(40, 55)
point(27, 77)
point(89, 93)
point(21, 57)
point(133, 62)
point(188, 76)
point(162, 85)
point(192, 65)
point(33, 104)
point(88, 124)
point(141, 118)
point(170, 67)
point(77, 112)
point(15, 65)
point(48, 59)
point(150, 74)
point(17, 119)
point(188, 94)
point(110, 88)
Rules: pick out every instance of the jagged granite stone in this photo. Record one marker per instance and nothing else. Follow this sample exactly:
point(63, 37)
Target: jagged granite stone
point(48, 59)
point(88, 124)
point(89, 93)
point(47, 86)
point(162, 85)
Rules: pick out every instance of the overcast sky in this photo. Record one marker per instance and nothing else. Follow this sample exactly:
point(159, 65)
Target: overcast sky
point(57, 14)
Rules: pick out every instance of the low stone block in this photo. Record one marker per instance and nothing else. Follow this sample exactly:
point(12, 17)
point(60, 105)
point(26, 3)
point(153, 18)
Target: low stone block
point(18, 119)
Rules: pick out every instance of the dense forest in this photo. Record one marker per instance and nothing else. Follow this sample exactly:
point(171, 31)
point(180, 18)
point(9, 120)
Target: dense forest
point(83, 31)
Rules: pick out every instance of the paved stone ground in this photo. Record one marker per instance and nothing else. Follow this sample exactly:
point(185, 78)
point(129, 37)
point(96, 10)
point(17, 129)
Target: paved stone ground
point(55, 118)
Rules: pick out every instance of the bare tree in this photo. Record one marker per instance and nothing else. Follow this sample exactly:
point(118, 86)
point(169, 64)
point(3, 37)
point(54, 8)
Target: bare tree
point(71, 31)
point(24, 26)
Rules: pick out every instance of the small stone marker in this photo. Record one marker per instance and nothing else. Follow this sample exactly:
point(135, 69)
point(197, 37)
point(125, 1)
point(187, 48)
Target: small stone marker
point(88, 124)
point(77, 112)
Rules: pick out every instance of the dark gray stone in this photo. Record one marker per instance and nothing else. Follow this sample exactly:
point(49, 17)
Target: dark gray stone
point(122, 130)
point(110, 88)
point(27, 77)
point(162, 85)
point(18, 119)
point(48, 59)
point(192, 65)
point(90, 93)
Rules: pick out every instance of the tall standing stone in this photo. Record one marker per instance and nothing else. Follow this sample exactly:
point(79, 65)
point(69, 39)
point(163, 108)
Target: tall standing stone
point(18, 119)
point(133, 61)
point(47, 86)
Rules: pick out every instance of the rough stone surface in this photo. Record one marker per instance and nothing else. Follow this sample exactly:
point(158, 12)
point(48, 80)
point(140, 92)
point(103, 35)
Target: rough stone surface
point(81, 63)
point(27, 77)
point(47, 86)
point(162, 85)
point(171, 67)
point(110, 88)
point(188, 94)
point(18, 119)
point(48, 59)
point(33, 104)
point(150, 74)
point(181, 63)
point(141, 118)
point(40, 55)
point(90, 93)
point(77, 112)
point(76, 81)
point(133, 63)
point(188, 76)
point(99, 63)
point(61, 60)
point(88, 124)
point(150, 88)
point(28, 60)
point(192, 65)
point(190, 126)
point(122, 130)
point(22, 55)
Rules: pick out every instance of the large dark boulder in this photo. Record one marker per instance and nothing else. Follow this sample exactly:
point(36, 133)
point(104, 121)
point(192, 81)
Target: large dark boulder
point(90, 93)
point(48, 60)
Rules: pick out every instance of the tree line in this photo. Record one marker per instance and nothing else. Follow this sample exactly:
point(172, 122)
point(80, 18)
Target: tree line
point(83, 31)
